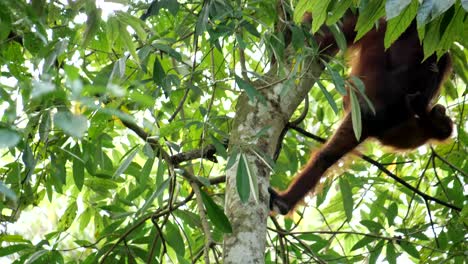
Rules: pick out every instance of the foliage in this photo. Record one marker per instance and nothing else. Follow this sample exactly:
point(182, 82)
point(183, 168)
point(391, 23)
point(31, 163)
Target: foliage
point(114, 125)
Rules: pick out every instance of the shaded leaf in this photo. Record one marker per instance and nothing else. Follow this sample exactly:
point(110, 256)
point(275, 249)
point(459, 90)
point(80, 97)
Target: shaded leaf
point(159, 191)
point(7, 192)
point(242, 180)
point(68, 217)
point(410, 249)
point(216, 214)
point(347, 195)
point(329, 97)
point(398, 25)
point(8, 138)
point(391, 254)
point(73, 125)
point(78, 167)
point(355, 114)
point(338, 80)
point(124, 165)
point(174, 238)
point(251, 91)
point(363, 242)
point(393, 8)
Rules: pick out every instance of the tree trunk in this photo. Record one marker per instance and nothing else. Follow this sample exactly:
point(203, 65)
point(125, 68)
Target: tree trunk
point(246, 244)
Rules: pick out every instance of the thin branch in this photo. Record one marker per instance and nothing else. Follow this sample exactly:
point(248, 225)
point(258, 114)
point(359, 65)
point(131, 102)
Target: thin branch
point(155, 215)
point(204, 220)
point(432, 223)
point(207, 152)
point(242, 64)
point(465, 174)
point(190, 81)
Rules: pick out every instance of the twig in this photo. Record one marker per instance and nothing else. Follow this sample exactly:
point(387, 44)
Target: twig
point(463, 173)
point(161, 212)
point(204, 220)
point(432, 223)
point(207, 152)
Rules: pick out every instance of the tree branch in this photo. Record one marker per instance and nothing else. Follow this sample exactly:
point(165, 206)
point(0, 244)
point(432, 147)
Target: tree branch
point(207, 152)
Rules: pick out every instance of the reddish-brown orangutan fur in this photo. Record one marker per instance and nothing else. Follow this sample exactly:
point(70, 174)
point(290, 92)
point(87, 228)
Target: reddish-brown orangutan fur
point(401, 86)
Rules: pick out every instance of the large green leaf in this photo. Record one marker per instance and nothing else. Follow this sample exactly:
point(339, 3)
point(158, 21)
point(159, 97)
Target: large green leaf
point(242, 179)
point(73, 125)
point(8, 138)
point(216, 214)
point(347, 195)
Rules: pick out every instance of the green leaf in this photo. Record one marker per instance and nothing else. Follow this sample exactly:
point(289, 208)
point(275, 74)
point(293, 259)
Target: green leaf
point(391, 254)
point(28, 158)
point(370, 14)
point(398, 25)
point(355, 114)
point(329, 97)
point(251, 91)
point(440, 7)
point(233, 157)
point(297, 37)
point(216, 214)
point(338, 81)
point(393, 8)
point(250, 28)
point(99, 184)
point(128, 42)
point(159, 191)
point(137, 24)
point(8, 138)
point(361, 89)
point(73, 125)
point(85, 218)
point(465, 4)
point(453, 31)
point(337, 11)
point(264, 157)
point(219, 146)
point(146, 171)
point(168, 50)
point(410, 249)
point(302, 7)
point(41, 88)
point(375, 253)
point(202, 20)
point(253, 181)
point(8, 250)
point(45, 126)
point(424, 12)
point(92, 23)
point(68, 217)
point(158, 72)
point(78, 167)
point(36, 256)
point(189, 218)
point(363, 242)
point(431, 38)
point(374, 227)
point(319, 12)
point(7, 192)
point(174, 238)
point(339, 36)
point(346, 193)
point(242, 180)
point(124, 165)
point(392, 212)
